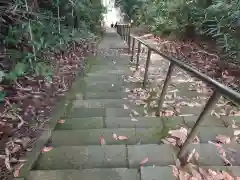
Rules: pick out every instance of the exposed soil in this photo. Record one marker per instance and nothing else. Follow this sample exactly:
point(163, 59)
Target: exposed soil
point(29, 103)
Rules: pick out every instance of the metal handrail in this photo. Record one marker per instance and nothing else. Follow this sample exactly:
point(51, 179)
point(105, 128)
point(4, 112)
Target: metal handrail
point(219, 89)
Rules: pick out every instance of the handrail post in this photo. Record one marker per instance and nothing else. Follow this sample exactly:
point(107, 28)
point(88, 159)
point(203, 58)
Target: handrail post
point(127, 34)
point(146, 68)
point(164, 89)
point(124, 29)
point(133, 47)
point(138, 54)
point(129, 40)
point(195, 130)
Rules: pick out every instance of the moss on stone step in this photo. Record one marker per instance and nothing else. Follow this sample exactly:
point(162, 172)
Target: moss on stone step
point(86, 174)
point(81, 123)
point(82, 157)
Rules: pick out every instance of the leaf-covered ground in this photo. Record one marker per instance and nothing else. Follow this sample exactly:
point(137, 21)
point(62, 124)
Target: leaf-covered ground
point(28, 105)
point(200, 55)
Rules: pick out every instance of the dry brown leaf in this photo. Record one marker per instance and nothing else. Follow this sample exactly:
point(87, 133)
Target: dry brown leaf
point(144, 161)
point(102, 140)
point(115, 136)
point(61, 121)
point(125, 107)
point(196, 156)
point(227, 176)
point(122, 137)
point(47, 149)
point(196, 140)
point(17, 170)
point(175, 170)
point(223, 139)
point(135, 113)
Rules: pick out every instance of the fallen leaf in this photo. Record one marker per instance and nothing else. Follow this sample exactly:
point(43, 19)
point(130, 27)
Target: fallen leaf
point(190, 156)
point(17, 170)
point(135, 113)
point(115, 136)
point(61, 121)
point(236, 132)
point(196, 156)
point(122, 137)
point(223, 139)
point(175, 170)
point(134, 119)
point(102, 141)
point(125, 107)
point(144, 161)
point(47, 149)
point(227, 176)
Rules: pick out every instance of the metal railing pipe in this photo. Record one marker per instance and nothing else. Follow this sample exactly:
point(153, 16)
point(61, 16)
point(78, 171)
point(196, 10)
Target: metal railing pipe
point(146, 68)
point(138, 55)
point(164, 89)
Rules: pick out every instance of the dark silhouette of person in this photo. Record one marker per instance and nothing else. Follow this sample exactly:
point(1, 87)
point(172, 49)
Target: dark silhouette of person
point(115, 25)
point(112, 25)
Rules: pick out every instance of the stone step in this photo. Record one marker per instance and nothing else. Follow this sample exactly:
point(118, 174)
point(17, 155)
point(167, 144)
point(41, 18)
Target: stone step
point(211, 121)
point(210, 133)
point(83, 157)
point(106, 103)
point(103, 86)
point(107, 156)
point(86, 174)
point(106, 95)
point(110, 72)
point(81, 123)
point(152, 154)
point(166, 173)
point(128, 122)
point(86, 112)
point(105, 77)
point(119, 112)
point(160, 173)
point(93, 136)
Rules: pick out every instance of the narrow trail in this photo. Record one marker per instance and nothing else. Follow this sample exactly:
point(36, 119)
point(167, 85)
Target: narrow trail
point(110, 133)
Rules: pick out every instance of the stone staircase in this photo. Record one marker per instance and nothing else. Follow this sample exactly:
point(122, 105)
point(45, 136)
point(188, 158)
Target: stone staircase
point(99, 140)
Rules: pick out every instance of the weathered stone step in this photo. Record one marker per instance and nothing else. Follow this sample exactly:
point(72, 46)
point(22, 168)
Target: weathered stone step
point(121, 112)
point(128, 122)
point(105, 77)
point(93, 103)
point(93, 136)
point(106, 95)
point(160, 173)
point(81, 123)
point(211, 121)
point(209, 154)
point(210, 133)
point(86, 112)
point(86, 174)
point(166, 173)
point(103, 86)
point(151, 154)
point(83, 157)
point(110, 72)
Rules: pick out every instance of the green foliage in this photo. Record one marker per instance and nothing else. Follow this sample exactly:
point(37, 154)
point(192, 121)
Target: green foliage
point(216, 19)
point(31, 30)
